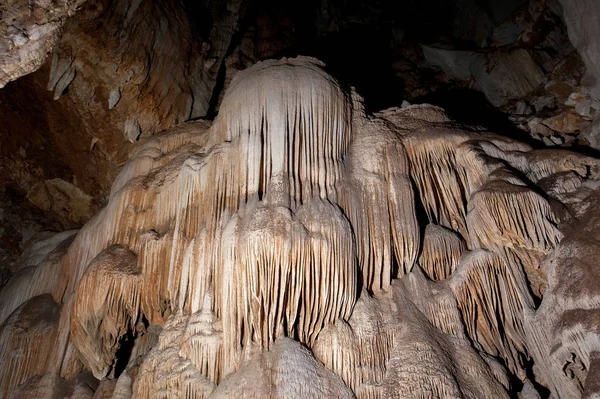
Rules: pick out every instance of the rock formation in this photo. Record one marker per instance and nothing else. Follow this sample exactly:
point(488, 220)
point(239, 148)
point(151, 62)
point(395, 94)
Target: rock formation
point(115, 72)
point(299, 246)
point(30, 30)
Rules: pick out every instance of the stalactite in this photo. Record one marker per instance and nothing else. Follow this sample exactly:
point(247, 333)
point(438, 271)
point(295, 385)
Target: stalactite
point(292, 119)
point(27, 342)
point(158, 150)
point(379, 200)
point(514, 221)
point(541, 163)
point(71, 363)
point(106, 308)
point(439, 177)
point(503, 214)
point(442, 249)
point(492, 302)
point(308, 255)
point(172, 201)
point(37, 274)
point(66, 358)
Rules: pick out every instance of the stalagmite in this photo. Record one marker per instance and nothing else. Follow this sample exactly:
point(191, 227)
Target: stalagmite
point(388, 340)
point(38, 387)
point(50, 385)
point(300, 247)
point(122, 387)
point(427, 363)
point(186, 360)
point(562, 333)
point(288, 370)
point(359, 350)
point(105, 389)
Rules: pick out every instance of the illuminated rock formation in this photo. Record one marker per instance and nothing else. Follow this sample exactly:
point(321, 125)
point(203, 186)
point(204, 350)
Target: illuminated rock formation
point(299, 247)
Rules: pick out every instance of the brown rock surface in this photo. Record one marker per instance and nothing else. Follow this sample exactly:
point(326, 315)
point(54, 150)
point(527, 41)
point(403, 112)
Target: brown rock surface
point(30, 30)
point(569, 122)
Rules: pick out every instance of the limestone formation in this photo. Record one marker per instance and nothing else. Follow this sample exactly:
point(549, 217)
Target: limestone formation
point(299, 246)
point(106, 307)
point(441, 252)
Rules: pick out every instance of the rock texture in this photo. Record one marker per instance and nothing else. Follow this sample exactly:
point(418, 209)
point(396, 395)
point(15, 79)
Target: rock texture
point(142, 66)
point(581, 18)
point(298, 246)
point(30, 30)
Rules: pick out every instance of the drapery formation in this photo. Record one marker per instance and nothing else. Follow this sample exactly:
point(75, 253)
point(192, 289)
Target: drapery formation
point(402, 250)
